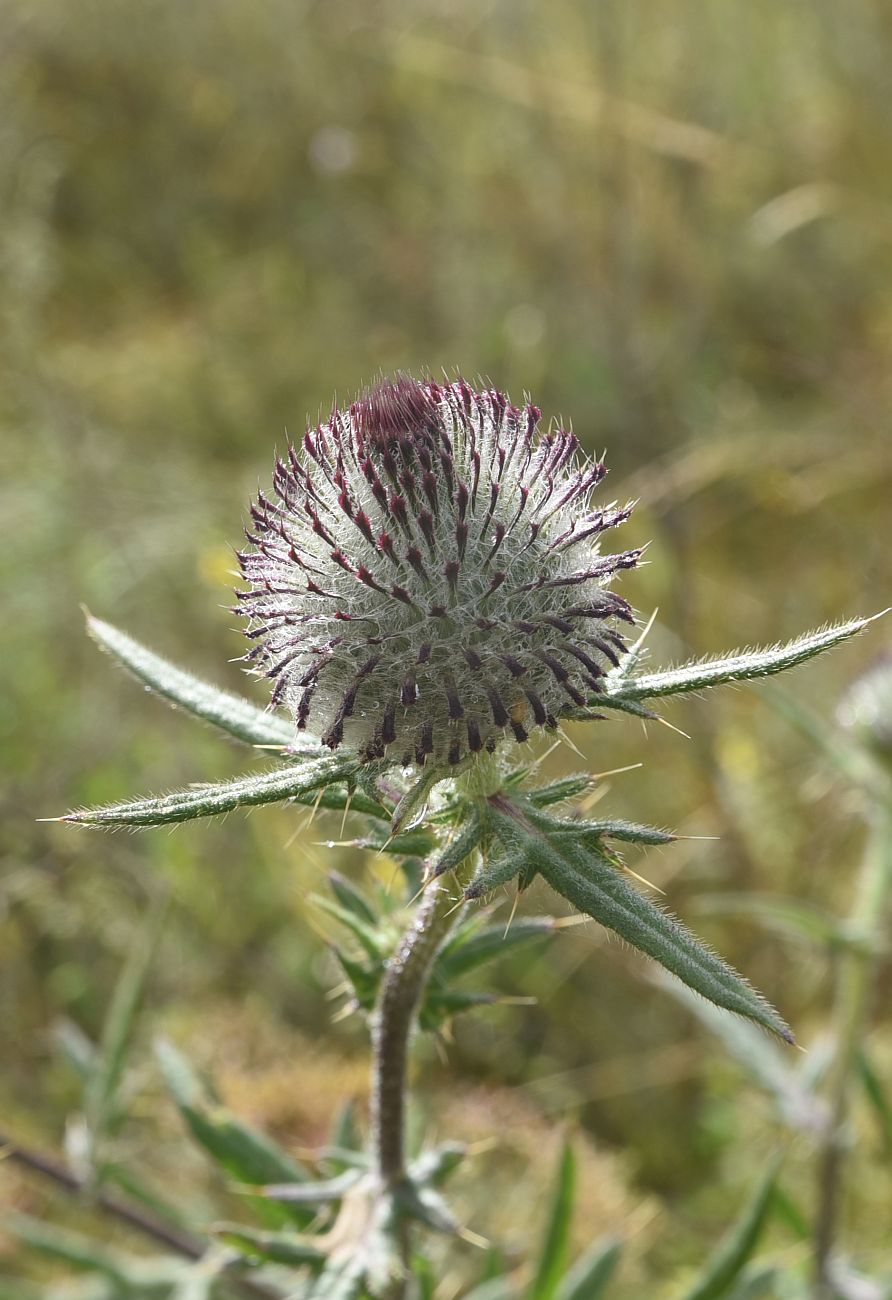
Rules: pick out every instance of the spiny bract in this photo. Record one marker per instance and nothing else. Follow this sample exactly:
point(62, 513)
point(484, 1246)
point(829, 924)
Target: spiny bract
point(428, 578)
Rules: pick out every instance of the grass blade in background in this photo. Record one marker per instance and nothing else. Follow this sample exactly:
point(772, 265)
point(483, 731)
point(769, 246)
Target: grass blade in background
point(553, 1255)
point(737, 1247)
point(107, 1067)
point(590, 1275)
point(876, 1094)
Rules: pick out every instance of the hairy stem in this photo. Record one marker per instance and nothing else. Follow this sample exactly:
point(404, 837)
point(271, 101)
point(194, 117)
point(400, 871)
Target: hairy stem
point(401, 992)
point(854, 989)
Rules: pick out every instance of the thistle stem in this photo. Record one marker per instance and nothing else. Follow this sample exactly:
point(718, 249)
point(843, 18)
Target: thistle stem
point(853, 998)
point(394, 1021)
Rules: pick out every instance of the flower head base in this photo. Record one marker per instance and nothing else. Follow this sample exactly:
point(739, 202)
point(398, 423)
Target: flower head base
point(428, 578)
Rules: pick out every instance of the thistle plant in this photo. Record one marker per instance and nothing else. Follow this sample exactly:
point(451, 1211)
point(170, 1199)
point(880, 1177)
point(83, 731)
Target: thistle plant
point(426, 591)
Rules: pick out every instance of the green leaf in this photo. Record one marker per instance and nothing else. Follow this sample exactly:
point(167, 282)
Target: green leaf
point(341, 799)
point(313, 1193)
point(755, 1283)
point(463, 955)
point(415, 843)
point(463, 843)
point(70, 1247)
point(741, 666)
point(352, 898)
point(735, 1250)
point(876, 1095)
point(244, 1153)
point(117, 1032)
point(494, 1288)
point(787, 916)
point(436, 1163)
point(363, 980)
point(561, 791)
point(438, 1007)
point(553, 1254)
point(788, 1212)
point(231, 713)
point(369, 939)
point(271, 1247)
point(210, 800)
point(589, 1276)
point(345, 1134)
point(612, 828)
point(588, 881)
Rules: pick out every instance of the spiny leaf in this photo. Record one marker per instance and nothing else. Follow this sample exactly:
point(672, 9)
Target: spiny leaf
point(208, 800)
point(735, 1250)
point(320, 1192)
point(460, 847)
point(612, 828)
point(553, 1254)
point(352, 898)
point(415, 843)
point(587, 880)
point(274, 1247)
point(341, 799)
point(458, 958)
point(745, 665)
point(560, 791)
point(231, 713)
point(373, 943)
point(363, 980)
point(436, 1164)
point(588, 1278)
point(438, 1007)
point(244, 1153)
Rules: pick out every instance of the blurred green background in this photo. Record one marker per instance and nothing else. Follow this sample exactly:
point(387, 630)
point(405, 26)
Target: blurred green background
point(672, 225)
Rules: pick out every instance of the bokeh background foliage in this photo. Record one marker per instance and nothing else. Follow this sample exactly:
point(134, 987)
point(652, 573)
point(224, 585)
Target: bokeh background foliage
point(672, 227)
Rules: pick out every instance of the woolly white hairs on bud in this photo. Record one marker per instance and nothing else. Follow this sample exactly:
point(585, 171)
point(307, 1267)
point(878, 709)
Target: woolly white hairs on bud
point(428, 579)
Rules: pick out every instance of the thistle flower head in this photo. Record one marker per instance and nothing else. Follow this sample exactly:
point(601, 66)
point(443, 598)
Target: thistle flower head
point(427, 577)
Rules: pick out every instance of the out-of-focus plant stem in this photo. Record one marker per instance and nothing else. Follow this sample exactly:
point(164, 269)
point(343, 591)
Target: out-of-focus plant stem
point(135, 1216)
point(857, 965)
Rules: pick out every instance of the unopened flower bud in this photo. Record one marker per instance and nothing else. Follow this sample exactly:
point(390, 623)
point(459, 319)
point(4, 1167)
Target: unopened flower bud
point(427, 578)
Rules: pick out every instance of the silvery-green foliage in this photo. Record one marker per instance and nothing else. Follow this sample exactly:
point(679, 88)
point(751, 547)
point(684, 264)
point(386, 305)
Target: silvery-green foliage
point(425, 587)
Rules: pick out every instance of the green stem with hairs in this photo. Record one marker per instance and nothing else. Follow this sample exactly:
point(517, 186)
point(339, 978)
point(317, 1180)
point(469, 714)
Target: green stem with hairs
point(394, 1021)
